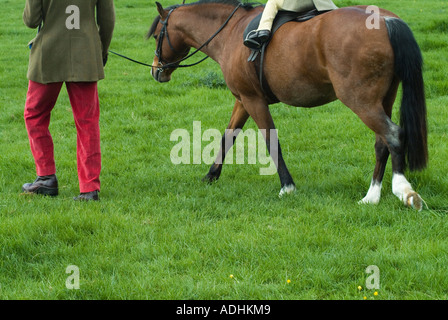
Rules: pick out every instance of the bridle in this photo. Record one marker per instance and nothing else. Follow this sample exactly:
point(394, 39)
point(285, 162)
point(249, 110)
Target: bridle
point(161, 66)
point(158, 53)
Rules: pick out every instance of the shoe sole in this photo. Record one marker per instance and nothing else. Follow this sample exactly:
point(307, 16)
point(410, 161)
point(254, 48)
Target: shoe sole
point(43, 191)
point(85, 200)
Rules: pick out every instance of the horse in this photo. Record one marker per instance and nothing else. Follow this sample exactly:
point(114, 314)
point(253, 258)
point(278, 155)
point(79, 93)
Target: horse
point(335, 55)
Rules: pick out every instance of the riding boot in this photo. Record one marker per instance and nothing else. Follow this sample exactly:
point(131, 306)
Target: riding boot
point(256, 38)
point(46, 185)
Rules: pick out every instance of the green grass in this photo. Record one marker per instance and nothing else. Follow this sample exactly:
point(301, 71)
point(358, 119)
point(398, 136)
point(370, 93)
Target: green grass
point(160, 233)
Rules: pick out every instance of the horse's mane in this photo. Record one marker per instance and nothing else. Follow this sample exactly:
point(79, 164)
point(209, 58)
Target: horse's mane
point(244, 4)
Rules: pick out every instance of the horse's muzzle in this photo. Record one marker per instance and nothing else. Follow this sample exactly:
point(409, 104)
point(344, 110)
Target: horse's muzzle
point(159, 73)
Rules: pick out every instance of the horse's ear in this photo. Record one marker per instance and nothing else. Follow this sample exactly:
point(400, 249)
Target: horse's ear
point(162, 12)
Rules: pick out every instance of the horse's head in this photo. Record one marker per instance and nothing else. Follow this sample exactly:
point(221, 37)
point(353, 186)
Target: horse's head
point(170, 47)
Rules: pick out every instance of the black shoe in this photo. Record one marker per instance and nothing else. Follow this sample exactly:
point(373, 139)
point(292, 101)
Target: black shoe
point(255, 39)
point(46, 185)
point(87, 196)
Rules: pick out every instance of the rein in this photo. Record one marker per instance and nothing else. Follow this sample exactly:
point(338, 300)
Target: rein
point(176, 64)
point(127, 58)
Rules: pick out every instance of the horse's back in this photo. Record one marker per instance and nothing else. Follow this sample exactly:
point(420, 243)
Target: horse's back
point(319, 55)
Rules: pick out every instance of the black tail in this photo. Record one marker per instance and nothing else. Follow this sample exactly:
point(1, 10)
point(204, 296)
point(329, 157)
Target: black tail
point(408, 67)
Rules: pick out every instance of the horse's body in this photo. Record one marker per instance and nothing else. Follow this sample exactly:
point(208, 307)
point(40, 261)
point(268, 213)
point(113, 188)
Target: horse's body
point(332, 56)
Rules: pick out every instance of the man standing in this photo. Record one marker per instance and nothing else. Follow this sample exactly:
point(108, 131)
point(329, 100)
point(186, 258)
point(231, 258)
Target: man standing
point(71, 46)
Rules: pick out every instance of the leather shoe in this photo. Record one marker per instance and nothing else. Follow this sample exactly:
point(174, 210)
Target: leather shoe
point(87, 196)
point(46, 185)
point(256, 38)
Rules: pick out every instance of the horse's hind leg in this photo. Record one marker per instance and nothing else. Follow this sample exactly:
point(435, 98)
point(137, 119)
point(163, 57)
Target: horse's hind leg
point(381, 151)
point(382, 154)
point(390, 135)
point(237, 121)
point(400, 185)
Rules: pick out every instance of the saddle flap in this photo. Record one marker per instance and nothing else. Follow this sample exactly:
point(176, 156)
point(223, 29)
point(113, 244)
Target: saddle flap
point(281, 18)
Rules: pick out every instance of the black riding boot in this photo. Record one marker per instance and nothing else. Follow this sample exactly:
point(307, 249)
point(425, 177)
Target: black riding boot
point(256, 38)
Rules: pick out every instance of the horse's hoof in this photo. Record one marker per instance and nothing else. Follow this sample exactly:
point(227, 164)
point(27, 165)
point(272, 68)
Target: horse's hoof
point(209, 179)
point(288, 189)
point(373, 196)
point(369, 200)
point(414, 200)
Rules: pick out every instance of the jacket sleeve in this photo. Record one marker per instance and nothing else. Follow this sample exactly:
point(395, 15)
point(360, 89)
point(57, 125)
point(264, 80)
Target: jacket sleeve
point(106, 22)
point(32, 15)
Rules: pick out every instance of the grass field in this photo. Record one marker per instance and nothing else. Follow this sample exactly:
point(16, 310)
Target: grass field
point(160, 233)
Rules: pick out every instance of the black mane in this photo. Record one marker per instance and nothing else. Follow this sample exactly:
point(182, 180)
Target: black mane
point(245, 5)
point(231, 2)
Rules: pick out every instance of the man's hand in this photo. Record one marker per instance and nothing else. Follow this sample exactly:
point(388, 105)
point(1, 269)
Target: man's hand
point(105, 57)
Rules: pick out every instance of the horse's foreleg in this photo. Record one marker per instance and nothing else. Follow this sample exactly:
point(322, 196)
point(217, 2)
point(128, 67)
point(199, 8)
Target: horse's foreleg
point(259, 111)
point(237, 121)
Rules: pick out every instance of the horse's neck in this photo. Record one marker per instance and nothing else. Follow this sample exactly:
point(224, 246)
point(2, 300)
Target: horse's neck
point(200, 24)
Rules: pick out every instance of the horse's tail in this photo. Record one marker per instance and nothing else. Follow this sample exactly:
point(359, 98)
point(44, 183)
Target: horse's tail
point(408, 67)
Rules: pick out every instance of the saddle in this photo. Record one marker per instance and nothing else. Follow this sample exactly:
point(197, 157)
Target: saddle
point(281, 18)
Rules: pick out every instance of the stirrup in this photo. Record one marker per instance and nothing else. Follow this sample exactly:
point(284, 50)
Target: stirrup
point(253, 40)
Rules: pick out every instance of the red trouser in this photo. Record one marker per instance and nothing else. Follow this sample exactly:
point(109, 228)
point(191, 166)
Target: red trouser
point(40, 100)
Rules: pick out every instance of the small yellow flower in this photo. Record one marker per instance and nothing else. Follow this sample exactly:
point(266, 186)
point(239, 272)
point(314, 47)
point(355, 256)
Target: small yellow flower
point(365, 298)
point(359, 288)
point(288, 281)
point(231, 276)
point(375, 293)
